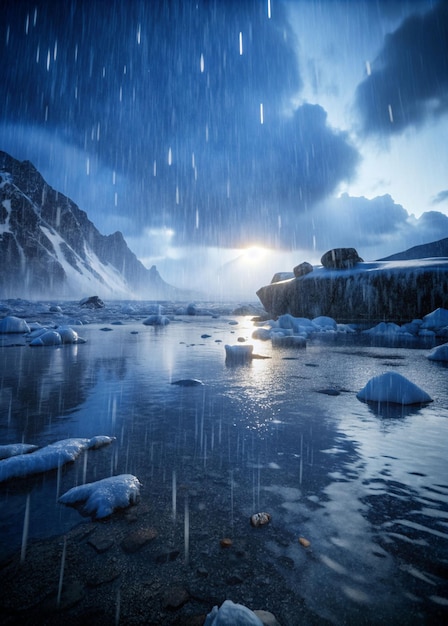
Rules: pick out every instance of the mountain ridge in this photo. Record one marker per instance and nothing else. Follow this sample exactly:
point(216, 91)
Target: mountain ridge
point(49, 247)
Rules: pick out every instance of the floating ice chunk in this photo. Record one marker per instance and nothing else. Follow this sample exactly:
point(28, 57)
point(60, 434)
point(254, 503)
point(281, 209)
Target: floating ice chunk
point(262, 333)
point(48, 458)
point(383, 328)
point(14, 449)
point(394, 388)
point(11, 324)
point(436, 320)
point(288, 341)
point(325, 323)
point(231, 614)
point(239, 353)
point(101, 498)
point(439, 353)
point(156, 320)
point(49, 338)
point(68, 335)
point(297, 324)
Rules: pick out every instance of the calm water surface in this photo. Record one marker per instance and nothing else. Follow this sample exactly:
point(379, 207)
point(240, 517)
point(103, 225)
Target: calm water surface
point(367, 487)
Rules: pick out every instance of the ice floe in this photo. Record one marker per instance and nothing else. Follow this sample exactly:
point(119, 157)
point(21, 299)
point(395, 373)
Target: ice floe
point(12, 324)
point(50, 457)
point(239, 353)
point(392, 387)
point(14, 449)
point(102, 497)
point(439, 353)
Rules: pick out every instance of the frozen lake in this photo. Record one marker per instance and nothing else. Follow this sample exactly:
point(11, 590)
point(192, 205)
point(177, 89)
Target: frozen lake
point(285, 435)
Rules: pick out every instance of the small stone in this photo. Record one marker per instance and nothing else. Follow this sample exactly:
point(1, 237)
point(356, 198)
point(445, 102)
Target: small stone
point(202, 572)
point(304, 542)
point(234, 580)
point(226, 542)
point(260, 519)
point(166, 557)
point(175, 597)
point(100, 545)
point(138, 539)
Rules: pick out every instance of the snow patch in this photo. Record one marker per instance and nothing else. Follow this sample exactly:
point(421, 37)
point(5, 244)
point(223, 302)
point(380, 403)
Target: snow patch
point(101, 498)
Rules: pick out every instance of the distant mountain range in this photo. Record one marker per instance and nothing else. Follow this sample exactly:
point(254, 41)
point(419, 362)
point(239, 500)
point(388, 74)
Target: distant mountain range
point(424, 251)
point(49, 247)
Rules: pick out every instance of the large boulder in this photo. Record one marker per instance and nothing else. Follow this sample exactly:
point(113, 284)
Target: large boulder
point(370, 291)
point(340, 258)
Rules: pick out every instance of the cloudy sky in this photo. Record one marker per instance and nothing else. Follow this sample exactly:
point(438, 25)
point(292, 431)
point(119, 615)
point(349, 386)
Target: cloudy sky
point(201, 129)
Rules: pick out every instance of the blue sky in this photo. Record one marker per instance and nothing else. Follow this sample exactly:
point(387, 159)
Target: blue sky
point(202, 129)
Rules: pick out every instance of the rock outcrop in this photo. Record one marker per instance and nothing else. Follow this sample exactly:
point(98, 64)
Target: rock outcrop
point(392, 291)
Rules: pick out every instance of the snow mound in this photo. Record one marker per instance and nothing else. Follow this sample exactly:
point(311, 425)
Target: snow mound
point(101, 498)
point(14, 449)
point(11, 324)
point(49, 458)
point(439, 353)
point(394, 388)
point(231, 614)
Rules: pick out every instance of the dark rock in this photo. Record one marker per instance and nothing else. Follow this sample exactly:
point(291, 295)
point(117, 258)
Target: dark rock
point(101, 545)
point(192, 309)
point(92, 302)
point(340, 258)
point(302, 269)
point(167, 556)
point(102, 573)
point(369, 292)
point(234, 579)
point(175, 597)
point(138, 539)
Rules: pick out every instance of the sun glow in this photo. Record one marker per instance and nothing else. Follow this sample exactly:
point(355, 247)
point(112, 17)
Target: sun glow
point(254, 254)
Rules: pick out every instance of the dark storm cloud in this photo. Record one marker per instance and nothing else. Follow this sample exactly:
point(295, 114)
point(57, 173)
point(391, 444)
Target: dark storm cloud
point(374, 224)
point(408, 83)
point(172, 95)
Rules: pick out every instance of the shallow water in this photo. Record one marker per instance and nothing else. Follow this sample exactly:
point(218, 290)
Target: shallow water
point(367, 487)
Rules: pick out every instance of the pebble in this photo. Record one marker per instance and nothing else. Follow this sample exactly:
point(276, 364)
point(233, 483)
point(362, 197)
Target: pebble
point(175, 597)
point(138, 539)
point(260, 519)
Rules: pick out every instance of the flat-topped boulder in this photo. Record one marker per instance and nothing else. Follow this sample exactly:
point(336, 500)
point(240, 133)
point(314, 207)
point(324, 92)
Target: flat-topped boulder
point(340, 258)
point(378, 290)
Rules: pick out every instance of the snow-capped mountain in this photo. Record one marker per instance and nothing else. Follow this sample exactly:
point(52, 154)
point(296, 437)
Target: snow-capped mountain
point(49, 247)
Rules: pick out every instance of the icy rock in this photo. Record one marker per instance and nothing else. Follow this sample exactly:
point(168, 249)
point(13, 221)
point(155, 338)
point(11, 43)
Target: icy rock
point(101, 498)
point(11, 324)
point(325, 323)
point(436, 320)
point(192, 309)
point(49, 338)
point(439, 353)
point(383, 328)
point(68, 335)
point(92, 302)
point(14, 449)
point(49, 458)
point(239, 353)
point(156, 320)
point(231, 614)
point(393, 388)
